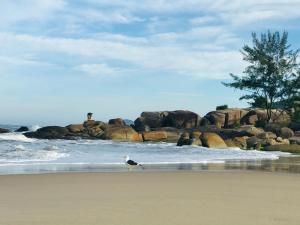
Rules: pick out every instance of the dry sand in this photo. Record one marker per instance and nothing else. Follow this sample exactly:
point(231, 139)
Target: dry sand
point(177, 198)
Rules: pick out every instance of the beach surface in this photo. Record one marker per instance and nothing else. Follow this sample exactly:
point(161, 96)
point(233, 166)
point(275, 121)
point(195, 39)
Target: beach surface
point(210, 197)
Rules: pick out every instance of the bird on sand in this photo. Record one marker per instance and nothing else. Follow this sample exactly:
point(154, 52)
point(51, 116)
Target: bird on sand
point(130, 163)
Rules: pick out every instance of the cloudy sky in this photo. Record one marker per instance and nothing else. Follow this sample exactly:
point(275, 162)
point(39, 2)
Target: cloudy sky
point(60, 59)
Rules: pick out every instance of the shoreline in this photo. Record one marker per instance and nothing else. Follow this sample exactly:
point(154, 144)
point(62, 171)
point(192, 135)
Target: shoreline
point(285, 164)
point(170, 198)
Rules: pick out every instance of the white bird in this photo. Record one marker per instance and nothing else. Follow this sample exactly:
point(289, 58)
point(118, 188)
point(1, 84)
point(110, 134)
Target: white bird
point(130, 163)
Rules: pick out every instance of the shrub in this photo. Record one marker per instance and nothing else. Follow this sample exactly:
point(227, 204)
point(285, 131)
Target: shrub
point(222, 107)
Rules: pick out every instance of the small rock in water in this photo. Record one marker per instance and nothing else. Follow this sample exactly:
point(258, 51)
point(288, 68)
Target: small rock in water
point(22, 129)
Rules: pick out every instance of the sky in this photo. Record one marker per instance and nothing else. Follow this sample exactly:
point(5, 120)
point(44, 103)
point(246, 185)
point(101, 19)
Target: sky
point(60, 59)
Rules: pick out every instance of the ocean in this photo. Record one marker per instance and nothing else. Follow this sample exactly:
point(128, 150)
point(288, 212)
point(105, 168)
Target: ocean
point(22, 155)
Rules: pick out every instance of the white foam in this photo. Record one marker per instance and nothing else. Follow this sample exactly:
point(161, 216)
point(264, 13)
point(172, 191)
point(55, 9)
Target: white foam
point(19, 147)
point(34, 128)
point(15, 137)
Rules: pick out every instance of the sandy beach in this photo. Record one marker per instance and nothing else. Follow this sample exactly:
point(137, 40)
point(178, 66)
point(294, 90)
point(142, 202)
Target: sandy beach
point(246, 197)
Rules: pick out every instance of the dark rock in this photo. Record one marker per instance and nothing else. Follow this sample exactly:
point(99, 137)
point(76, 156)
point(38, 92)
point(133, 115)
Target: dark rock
point(50, 132)
point(117, 122)
point(22, 129)
point(184, 139)
point(179, 119)
point(2, 131)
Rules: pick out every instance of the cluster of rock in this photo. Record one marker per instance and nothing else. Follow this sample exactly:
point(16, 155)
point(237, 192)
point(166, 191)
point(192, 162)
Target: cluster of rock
point(217, 129)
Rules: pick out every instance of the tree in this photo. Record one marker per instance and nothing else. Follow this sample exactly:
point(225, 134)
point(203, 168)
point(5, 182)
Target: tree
point(273, 74)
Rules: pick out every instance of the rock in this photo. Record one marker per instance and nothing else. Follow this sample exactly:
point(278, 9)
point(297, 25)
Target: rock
point(149, 120)
point(155, 136)
point(266, 135)
point(261, 115)
point(184, 139)
point(216, 118)
point(173, 134)
point(195, 142)
point(75, 128)
point(295, 140)
point(181, 119)
point(239, 142)
point(22, 129)
point(293, 148)
point(2, 131)
point(295, 126)
point(286, 132)
point(280, 130)
point(50, 132)
point(212, 140)
point(192, 138)
point(246, 130)
point(117, 122)
point(253, 142)
point(297, 133)
point(121, 133)
point(226, 118)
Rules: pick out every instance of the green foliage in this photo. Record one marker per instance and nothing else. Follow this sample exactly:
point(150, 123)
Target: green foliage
point(273, 74)
point(261, 123)
point(236, 125)
point(259, 102)
point(222, 107)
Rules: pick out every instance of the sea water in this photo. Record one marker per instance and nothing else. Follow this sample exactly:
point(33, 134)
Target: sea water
point(19, 154)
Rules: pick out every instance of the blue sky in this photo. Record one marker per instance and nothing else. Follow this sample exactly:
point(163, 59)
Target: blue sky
point(60, 59)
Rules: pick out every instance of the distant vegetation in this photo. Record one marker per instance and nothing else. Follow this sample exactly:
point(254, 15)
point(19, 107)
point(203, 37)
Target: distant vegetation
point(222, 107)
point(272, 80)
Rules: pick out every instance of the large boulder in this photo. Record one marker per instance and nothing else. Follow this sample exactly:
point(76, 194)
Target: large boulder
point(212, 140)
point(255, 115)
point(295, 140)
point(149, 120)
point(280, 130)
point(240, 142)
point(93, 129)
point(50, 132)
point(75, 128)
point(121, 133)
point(227, 117)
point(180, 119)
point(266, 135)
point(286, 132)
point(117, 122)
point(246, 130)
point(2, 131)
point(192, 138)
point(155, 136)
point(22, 129)
point(293, 148)
point(172, 133)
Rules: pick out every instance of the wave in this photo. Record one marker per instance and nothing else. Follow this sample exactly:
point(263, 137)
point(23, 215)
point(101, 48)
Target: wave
point(15, 137)
point(34, 128)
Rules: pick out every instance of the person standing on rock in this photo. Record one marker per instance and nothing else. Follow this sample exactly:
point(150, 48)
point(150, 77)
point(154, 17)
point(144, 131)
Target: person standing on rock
point(89, 116)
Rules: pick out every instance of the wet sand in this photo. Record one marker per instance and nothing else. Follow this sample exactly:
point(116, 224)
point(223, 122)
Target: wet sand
point(131, 198)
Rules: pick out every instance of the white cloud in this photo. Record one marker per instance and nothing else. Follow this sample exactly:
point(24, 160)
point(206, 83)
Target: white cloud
point(97, 69)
